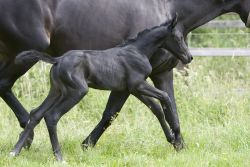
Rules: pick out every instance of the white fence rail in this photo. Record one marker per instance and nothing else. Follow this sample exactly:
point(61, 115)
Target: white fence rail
point(211, 52)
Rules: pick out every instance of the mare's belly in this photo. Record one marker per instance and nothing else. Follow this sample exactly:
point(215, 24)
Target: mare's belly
point(101, 24)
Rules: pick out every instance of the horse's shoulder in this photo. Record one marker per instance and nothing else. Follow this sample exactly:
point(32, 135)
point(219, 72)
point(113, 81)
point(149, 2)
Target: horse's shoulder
point(135, 62)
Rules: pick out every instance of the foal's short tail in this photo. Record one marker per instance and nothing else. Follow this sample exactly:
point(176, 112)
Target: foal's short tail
point(34, 56)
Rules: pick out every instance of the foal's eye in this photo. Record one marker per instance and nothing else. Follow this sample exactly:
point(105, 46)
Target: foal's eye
point(181, 38)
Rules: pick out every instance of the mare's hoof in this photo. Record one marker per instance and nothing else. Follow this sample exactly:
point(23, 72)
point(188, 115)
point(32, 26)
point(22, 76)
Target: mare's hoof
point(28, 141)
point(86, 145)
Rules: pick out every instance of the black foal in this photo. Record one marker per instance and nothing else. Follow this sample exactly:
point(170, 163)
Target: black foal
point(123, 68)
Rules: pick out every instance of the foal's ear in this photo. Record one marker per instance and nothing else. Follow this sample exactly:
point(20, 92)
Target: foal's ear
point(174, 21)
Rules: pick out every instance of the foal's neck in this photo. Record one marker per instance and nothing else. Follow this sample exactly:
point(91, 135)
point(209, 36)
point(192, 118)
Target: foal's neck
point(149, 44)
point(148, 48)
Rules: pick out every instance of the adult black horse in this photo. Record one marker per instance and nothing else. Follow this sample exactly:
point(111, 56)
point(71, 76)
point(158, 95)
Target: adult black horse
point(57, 26)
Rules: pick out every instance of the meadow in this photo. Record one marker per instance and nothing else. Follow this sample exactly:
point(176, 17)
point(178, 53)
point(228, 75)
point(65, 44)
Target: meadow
point(213, 103)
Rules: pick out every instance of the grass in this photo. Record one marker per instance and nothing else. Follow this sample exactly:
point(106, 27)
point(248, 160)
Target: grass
point(214, 109)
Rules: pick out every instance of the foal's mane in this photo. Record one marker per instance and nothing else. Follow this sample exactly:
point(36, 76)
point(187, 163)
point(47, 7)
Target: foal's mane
point(140, 34)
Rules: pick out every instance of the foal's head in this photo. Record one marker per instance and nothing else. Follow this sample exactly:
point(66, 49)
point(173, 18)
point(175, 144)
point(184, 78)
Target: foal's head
point(150, 40)
point(175, 42)
point(166, 36)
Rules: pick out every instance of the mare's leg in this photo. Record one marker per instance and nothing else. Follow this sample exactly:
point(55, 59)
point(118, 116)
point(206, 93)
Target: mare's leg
point(157, 111)
point(113, 107)
point(10, 71)
point(19, 111)
point(164, 82)
point(8, 75)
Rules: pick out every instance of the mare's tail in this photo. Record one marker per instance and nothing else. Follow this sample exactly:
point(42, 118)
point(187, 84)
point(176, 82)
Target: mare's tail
point(34, 56)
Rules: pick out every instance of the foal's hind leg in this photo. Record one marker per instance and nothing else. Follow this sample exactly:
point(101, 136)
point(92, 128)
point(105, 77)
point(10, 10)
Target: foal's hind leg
point(157, 111)
point(113, 107)
point(52, 117)
point(35, 117)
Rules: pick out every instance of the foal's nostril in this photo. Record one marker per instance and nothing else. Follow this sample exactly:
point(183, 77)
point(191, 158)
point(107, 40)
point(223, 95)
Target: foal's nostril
point(192, 58)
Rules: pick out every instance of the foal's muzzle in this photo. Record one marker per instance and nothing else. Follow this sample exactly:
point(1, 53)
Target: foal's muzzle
point(186, 59)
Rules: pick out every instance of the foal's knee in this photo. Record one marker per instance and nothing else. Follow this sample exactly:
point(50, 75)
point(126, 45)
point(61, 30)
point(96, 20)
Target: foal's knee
point(166, 98)
point(35, 117)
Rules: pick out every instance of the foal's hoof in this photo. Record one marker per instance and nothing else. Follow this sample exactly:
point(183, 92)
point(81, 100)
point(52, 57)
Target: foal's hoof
point(179, 146)
point(13, 154)
point(28, 141)
point(64, 162)
point(60, 159)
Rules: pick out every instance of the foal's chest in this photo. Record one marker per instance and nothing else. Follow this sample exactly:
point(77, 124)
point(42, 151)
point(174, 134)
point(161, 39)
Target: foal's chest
point(139, 66)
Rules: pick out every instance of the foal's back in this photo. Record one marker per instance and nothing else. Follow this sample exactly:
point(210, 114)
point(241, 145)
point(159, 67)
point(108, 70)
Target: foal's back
point(111, 69)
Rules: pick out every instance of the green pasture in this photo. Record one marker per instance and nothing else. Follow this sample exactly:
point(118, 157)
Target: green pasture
point(213, 104)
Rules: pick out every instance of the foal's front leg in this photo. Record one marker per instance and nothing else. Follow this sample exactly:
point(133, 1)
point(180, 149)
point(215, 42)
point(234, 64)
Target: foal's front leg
point(164, 82)
point(148, 90)
point(157, 111)
point(162, 76)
